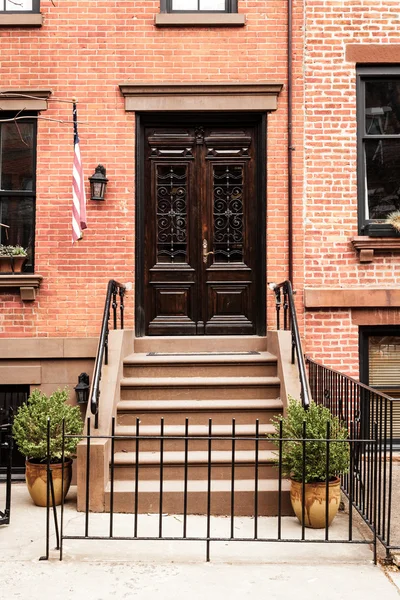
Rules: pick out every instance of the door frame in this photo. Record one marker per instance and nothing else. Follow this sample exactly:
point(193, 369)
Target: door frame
point(255, 119)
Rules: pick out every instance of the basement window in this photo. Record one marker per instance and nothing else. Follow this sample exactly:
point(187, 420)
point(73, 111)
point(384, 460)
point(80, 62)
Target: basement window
point(380, 365)
point(12, 397)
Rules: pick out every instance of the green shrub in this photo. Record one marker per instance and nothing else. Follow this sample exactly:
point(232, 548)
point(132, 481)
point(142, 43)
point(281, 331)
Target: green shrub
point(30, 426)
point(12, 251)
point(316, 418)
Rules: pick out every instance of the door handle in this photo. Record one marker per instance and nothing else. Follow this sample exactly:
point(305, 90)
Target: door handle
point(205, 253)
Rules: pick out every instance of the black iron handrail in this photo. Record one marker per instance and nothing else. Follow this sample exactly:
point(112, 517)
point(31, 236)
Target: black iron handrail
point(290, 323)
point(114, 290)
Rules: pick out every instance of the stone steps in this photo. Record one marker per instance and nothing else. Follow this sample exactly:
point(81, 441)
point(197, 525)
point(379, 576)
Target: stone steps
point(221, 496)
point(190, 388)
point(221, 411)
point(198, 378)
point(257, 364)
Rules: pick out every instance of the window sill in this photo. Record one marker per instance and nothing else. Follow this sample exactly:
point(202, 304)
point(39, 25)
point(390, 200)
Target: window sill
point(367, 246)
point(27, 283)
point(21, 20)
point(200, 20)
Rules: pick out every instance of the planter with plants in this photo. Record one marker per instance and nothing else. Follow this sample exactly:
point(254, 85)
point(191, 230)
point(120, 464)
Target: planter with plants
point(30, 434)
point(312, 472)
point(12, 258)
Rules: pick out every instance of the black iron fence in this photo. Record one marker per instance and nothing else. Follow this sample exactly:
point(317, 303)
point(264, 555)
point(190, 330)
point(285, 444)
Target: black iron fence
point(267, 494)
point(368, 415)
point(6, 449)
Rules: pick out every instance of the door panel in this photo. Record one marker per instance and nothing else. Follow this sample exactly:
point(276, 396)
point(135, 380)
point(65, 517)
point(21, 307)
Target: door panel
point(200, 231)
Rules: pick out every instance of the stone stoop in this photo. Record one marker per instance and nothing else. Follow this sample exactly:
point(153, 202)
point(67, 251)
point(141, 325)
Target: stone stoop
point(198, 378)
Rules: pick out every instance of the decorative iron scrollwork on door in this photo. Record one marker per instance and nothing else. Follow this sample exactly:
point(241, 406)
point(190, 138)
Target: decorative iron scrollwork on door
point(228, 213)
point(172, 213)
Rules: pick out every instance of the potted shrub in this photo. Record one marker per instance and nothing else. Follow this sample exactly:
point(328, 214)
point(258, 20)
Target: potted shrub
point(314, 477)
point(30, 434)
point(12, 258)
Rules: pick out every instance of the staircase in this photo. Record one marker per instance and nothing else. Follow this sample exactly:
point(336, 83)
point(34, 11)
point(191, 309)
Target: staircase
point(198, 378)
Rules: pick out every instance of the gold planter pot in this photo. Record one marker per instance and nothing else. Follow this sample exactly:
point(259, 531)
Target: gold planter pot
point(315, 502)
point(36, 480)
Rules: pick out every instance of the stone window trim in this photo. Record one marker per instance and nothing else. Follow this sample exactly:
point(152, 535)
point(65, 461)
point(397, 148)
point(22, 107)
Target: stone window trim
point(351, 297)
point(20, 18)
point(12, 100)
point(207, 97)
point(368, 246)
point(200, 20)
point(26, 283)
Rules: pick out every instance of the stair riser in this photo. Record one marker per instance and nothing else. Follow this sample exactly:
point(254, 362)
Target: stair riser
point(201, 370)
point(149, 502)
point(199, 393)
point(195, 472)
point(196, 418)
point(200, 344)
point(194, 444)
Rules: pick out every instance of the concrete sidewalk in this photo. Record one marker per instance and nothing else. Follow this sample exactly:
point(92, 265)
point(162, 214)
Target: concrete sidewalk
point(101, 570)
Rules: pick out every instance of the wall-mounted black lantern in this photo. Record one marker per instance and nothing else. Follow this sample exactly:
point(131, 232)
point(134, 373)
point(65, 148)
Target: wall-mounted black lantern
point(82, 389)
point(98, 183)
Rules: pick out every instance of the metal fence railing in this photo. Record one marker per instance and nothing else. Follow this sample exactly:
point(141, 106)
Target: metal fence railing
point(368, 415)
point(186, 483)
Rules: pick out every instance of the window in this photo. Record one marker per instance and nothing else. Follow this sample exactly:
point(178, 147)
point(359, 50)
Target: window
point(380, 364)
point(15, 6)
point(12, 397)
point(18, 184)
point(378, 113)
point(189, 6)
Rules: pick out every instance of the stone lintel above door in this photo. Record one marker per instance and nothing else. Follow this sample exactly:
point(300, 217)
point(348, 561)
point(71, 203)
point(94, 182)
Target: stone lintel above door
point(160, 97)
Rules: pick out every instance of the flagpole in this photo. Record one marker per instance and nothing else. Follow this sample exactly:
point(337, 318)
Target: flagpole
point(78, 185)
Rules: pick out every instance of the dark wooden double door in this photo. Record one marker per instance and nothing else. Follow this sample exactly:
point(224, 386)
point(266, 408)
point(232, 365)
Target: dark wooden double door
point(202, 233)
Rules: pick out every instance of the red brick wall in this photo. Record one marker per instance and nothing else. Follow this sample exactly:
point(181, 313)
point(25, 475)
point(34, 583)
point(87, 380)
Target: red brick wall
point(330, 168)
point(85, 49)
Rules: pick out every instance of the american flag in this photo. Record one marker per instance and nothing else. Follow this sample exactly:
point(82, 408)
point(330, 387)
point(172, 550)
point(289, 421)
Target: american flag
point(78, 186)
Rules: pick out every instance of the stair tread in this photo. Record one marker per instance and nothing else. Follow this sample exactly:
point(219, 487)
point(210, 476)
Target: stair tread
point(194, 457)
point(200, 485)
point(199, 405)
point(198, 381)
point(195, 430)
point(204, 358)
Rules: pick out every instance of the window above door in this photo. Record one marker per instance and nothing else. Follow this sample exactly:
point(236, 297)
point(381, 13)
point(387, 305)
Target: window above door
point(186, 13)
point(224, 6)
point(14, 6)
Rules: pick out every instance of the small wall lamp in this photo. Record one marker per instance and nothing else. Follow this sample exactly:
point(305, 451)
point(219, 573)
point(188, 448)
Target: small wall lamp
point(98, 183)
point(82, 389)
